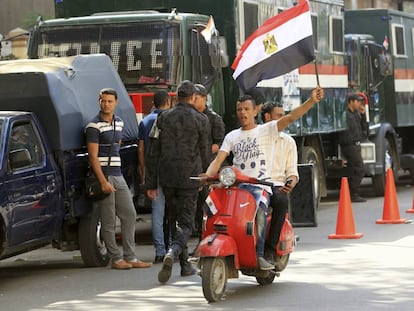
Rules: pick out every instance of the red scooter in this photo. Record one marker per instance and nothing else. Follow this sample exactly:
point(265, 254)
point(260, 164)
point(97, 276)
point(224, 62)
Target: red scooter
point(228, 242)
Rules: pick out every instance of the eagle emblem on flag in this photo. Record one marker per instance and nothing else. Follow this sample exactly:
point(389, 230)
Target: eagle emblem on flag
point(284, 39)
point(270, 44)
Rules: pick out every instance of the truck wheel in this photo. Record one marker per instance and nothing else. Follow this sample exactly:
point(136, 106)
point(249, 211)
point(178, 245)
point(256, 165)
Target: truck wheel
point(388, 158)
point(310, 156)
point(92, 247)
point(214, 278)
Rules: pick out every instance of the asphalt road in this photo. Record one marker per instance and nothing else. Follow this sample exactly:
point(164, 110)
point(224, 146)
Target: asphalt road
point(375, 272)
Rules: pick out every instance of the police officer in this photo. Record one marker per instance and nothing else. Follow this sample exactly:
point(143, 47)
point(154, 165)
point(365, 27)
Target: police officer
point(350, 141)
point(181, 150)
point(216, 137)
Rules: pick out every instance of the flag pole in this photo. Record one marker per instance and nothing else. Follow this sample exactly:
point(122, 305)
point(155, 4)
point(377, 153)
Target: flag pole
point(316, 72)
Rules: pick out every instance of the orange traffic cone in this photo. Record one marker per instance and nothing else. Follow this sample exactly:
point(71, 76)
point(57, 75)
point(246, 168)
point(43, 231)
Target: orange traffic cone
point(345, 228)
point(391, 212)
point(412, 208)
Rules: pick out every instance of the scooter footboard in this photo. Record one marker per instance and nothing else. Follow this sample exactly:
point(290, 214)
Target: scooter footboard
point(218, 245)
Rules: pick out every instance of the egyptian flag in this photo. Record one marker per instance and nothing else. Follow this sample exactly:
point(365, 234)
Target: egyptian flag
point(283, 43)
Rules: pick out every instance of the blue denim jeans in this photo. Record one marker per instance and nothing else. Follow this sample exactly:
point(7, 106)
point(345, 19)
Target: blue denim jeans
point(157, 218)
point(262, 202)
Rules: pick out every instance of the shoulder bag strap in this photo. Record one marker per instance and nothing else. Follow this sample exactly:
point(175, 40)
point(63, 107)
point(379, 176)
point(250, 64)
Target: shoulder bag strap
point(112, 143)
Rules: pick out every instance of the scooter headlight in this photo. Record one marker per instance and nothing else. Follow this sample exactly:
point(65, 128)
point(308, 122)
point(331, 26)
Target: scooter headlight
point(227, 176)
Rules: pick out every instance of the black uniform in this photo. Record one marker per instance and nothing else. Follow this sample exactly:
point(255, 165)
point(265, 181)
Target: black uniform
point(182, 150)
point(217, 133)
point(364, 127)
point(217, 128)
point(350, 141)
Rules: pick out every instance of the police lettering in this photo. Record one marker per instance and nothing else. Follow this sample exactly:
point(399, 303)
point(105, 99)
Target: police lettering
point(124, 52)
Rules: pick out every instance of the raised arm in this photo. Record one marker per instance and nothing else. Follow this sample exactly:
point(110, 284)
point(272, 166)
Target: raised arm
point(316, 95)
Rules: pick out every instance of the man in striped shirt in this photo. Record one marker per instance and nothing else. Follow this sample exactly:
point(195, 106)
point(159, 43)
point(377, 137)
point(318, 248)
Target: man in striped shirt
point(284, 175)
point(103, 135)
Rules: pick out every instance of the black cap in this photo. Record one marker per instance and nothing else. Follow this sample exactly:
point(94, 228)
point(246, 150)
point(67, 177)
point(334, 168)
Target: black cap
point(355, 96)
point(200, 89)
point(186, 89)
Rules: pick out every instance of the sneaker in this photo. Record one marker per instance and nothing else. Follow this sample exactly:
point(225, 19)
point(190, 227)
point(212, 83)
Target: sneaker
point(121, 265)
point(357, 198)
point(264, 265)
point(139, 264)
point(167, 264)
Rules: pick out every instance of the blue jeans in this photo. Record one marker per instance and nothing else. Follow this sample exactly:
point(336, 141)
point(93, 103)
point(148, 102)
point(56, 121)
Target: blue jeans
point(262, 201)
point(157, 218)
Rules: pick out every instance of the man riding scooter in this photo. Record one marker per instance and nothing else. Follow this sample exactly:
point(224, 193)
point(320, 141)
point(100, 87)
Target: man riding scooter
point(253, 148)
point(285, 176)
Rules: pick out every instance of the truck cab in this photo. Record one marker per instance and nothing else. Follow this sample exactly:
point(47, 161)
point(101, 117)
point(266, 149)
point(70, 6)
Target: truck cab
point(369, 65)
point(380, 46)
point(149, 49)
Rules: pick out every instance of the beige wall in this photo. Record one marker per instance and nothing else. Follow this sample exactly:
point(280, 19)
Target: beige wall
point(14, 12)
point(408, 5)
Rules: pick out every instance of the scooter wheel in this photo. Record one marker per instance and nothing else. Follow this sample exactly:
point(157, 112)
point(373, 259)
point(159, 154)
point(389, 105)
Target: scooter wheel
point(214, 278)
point(281, 262)
point(267, 279)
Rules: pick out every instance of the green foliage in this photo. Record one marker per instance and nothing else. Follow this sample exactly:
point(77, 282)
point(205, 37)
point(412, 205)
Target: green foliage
point(30, 19)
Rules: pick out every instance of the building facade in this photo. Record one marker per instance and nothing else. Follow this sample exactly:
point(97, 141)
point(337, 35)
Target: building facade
point(15, 13)
point(16, 16)
point(401, 5)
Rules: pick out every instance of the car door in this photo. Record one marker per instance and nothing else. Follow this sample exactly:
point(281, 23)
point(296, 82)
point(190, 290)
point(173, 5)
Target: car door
point(34, 204)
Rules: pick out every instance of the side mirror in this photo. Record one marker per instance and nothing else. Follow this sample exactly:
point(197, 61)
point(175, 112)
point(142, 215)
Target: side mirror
point(19, 158)
point(385, 64)
point(218, 52)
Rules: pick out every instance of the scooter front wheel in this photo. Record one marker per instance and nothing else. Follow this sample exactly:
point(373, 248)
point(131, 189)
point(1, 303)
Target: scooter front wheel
point(214, 278)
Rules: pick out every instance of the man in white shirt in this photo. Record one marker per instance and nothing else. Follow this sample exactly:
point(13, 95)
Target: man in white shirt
point(284, 175)
point(251, 145)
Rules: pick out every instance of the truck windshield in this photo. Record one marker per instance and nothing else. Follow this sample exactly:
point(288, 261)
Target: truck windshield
point(142, 53)
point(353, 57)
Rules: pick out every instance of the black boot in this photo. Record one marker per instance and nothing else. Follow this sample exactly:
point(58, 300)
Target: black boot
point(270, 256)
point(187, 268)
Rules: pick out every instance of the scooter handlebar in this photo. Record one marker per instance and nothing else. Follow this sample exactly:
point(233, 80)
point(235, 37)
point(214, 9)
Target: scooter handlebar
point(239, 178)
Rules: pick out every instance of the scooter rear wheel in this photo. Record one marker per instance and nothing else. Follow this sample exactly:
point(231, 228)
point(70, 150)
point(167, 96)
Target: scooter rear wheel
point(281, 262)
point(214, 278)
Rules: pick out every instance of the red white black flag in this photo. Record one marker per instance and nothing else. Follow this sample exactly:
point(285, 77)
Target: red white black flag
point(283, 43)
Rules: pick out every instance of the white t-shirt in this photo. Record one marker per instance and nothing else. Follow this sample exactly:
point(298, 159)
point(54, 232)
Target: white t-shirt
point(252, 149)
